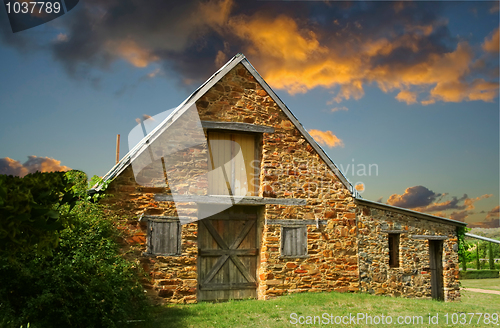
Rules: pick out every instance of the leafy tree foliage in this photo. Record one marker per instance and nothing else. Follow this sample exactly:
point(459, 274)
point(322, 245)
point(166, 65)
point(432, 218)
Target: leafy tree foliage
point(30, 219)
point(83, 282)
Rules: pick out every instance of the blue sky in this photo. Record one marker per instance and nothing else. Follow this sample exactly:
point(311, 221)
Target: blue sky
point(411, 87)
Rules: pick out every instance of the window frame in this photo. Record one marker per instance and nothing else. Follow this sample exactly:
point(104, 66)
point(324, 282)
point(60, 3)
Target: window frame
point(257, 155)
point(304, 251)
point(151, 237)
point(394, 249)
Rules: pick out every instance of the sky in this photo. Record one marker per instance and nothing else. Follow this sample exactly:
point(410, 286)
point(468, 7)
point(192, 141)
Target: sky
point(403, 96)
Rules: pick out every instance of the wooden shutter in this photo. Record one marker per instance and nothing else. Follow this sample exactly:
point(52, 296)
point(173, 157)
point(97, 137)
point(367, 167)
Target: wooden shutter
point(230, 164)
point(294, 241)
point(164, 237)
point(394, 250)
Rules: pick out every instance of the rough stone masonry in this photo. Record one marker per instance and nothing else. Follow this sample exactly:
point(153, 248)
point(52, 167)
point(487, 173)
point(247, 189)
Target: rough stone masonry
point(347, 253)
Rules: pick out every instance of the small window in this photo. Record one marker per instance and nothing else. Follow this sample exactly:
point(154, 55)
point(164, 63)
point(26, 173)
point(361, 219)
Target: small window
point(294, 241)
point(394, 250)
point(164, 237)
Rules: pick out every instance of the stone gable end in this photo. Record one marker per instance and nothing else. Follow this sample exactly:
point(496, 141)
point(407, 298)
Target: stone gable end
point(345, 250)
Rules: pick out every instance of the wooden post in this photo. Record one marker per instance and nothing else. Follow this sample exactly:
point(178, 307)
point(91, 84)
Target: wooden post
point(490, 253)
point(117, 148)
point(478, 267)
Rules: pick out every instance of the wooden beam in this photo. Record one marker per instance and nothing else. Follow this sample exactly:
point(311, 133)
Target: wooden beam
point(243, 285)
point(233, 126)
point(220, 252)
point(394, 231)
point(236, 200)
point(285, 222)
point(429, 237)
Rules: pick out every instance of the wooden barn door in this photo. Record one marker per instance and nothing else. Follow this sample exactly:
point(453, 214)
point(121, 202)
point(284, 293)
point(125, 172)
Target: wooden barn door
point(436, 266)
point(227, 255)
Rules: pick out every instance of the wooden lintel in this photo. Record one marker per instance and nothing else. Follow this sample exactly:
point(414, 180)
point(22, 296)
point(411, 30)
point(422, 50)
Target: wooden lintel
point(220, 252)
point(249, 285)
point(227, 200)
point(243, 127)
point(299, 222)
point(429, 237)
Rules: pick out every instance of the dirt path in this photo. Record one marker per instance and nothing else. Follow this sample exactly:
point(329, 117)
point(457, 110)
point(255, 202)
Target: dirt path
point(486, 291)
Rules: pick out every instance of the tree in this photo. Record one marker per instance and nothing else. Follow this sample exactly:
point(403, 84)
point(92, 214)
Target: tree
point(30, 220)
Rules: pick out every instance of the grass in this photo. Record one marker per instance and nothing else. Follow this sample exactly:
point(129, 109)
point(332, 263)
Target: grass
point(491, 284)
point(276, 312)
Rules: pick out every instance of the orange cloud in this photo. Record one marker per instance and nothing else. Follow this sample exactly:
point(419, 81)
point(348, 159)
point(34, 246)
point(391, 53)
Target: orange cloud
point(10, 166)
point(295, 60)
point(469, 202)
point(407, 96)
point(494, 213)
point(492, 44)
point(279, 37)
point(132, 52)
point(360, 187)
point(326, 138)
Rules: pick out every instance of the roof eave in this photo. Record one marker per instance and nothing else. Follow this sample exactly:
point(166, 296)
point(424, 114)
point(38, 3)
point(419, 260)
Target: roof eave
point(409, 212)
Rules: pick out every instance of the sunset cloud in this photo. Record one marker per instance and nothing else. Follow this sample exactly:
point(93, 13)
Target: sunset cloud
point(360, 187)
point(493, 214)
point(407, 96)
point(326, 138)
point(402, 48)
point(421, 199)
point(491, 43)
point(9, 166)
point(417, 196)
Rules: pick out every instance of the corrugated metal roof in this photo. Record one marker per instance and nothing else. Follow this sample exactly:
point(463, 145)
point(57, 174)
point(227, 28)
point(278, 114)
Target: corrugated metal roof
point(197, 94)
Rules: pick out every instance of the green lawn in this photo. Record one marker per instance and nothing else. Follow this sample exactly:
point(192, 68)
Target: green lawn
point(277, 312)
point(491, 284)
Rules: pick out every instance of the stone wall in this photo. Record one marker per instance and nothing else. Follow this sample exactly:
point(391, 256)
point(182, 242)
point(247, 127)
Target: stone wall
point(171, 278)
point(412, 278)
point(290, 168)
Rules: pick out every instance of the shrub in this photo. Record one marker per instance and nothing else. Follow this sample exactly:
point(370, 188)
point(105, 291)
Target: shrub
point(85, 282)
point(479, 274)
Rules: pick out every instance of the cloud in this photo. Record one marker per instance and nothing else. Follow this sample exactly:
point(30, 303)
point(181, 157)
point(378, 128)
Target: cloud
point(493, 214)
point(131, 52)
point(421, 199)
point(337, 109)
point(407, 96)
point(326, 138)
point(459, 216)
point(417, 196)
point(296, 46)
point(360, 187)
point(495, 7)
point(493, 223)
point(10, 166)
point(491, 44)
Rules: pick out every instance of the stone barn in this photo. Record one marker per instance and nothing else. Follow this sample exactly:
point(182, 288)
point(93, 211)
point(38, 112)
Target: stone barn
point(228, 197)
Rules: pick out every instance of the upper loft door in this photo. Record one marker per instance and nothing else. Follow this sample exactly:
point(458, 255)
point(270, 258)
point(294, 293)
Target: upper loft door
point(233, 165)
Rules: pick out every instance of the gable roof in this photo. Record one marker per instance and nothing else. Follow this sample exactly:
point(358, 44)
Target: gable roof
point(197, 94)
point(216, 77)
